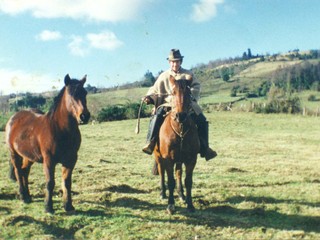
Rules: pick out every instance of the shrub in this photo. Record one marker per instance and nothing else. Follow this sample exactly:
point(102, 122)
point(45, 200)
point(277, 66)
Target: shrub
point(312, 98)
point(3, 120)
point(251, 95)
point(122, 112)
point(111, 113)
point(29, 101)
point(290, 105)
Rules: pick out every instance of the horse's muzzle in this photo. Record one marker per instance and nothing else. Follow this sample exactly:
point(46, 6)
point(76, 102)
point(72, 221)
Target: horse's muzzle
point(181, 117)
point(84, 118)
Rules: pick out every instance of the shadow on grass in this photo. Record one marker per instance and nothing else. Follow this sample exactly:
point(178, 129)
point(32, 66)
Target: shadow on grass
point(268, 200)
point(134, 203)
point(52, 229)
point(258, 217)
point(8, 196)
point(124, 189)
point(228, 216)
point(5, 210)
point(225, 215)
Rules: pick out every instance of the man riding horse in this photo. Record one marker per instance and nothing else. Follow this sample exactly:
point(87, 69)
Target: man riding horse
point(159, 95)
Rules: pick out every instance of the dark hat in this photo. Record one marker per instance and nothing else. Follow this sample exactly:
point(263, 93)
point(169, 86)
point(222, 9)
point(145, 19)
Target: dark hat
point(174, 55)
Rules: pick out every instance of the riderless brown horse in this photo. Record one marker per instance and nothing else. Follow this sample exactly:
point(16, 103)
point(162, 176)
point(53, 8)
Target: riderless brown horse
point(50, 138)
point(178, 145)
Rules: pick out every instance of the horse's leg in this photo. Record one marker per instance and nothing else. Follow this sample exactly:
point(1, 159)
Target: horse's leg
point(66, 188)
point(49, 170)
point(163, 189)
point(20, 172)
point(179, 181)
point(12, 174)
point(171, 185)
point(25, 170)
point(188, 184)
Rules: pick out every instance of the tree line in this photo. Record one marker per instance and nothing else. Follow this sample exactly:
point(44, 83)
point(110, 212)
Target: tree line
point(293, 78)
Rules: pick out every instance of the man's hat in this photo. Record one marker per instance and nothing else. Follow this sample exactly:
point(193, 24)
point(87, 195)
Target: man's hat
point(174, 55)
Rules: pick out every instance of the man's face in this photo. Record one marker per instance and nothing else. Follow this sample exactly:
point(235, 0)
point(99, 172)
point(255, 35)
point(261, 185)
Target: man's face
point(175, 65)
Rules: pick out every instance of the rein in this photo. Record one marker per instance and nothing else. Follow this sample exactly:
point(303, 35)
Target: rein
point(137, 130)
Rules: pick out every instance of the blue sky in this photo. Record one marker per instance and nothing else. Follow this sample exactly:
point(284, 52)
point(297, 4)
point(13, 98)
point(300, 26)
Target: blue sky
point(118, 41)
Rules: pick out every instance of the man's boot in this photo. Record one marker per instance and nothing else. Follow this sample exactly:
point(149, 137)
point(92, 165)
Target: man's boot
point(153, 131)
point(203, 131)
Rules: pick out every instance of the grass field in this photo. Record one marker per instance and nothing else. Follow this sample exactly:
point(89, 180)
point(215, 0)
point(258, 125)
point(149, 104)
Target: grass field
point(265, 184)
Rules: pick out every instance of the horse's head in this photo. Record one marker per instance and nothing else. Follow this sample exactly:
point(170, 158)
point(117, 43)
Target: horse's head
point(76, 98)
point(181, 95)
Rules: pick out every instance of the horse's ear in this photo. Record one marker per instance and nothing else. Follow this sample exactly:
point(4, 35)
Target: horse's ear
point(67, 80)
point(172, 79)
point(84, 79)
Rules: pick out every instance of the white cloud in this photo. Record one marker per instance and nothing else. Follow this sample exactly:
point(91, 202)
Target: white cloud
point(104, 40)
point(78, 46)
point(81, 46)
point(98, 10)
point(205, 10)
point(47, 35)
point(17, 81)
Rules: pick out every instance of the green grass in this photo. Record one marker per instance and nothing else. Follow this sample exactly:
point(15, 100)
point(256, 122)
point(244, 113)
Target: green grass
point(263, 185)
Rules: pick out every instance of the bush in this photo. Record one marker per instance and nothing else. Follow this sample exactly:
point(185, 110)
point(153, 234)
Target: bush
point(3, 120)
point(312, 98)
point(112, 113)
point(122, 112)
point(290, 105)
point(28, 101)
point(251, 95)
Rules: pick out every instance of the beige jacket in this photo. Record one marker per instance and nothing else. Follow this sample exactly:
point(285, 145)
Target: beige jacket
point(160, 91)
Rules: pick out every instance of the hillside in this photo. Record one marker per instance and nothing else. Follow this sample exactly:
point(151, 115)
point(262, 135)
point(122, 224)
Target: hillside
point(244, 75)
point(231, 84)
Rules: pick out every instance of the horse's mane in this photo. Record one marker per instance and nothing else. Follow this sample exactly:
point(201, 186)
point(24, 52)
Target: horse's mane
point(56, 101)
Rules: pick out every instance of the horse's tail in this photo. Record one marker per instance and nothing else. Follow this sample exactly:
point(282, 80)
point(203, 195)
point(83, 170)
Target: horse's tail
point(12, 174)
point(155, 169)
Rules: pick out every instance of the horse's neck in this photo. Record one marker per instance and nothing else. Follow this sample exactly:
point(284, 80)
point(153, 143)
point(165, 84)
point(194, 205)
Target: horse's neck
point(63, 118)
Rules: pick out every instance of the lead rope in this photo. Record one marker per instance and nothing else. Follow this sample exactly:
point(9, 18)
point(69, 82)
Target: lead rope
point(137, 130)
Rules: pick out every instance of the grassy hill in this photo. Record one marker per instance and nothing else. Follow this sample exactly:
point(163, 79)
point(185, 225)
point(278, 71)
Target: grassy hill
point(244, 75)
point(247, 75)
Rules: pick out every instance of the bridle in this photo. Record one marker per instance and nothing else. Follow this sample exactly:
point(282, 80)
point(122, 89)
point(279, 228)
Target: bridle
point(181, 119)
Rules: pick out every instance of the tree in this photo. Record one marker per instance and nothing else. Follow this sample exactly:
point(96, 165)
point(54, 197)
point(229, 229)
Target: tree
point(91, 89)
point(249, 53)
point(29, 101)
point(244, 56)
point(225, 74)
point(148, 79)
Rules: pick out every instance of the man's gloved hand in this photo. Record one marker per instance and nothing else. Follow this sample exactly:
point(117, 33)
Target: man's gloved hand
point(148, 100)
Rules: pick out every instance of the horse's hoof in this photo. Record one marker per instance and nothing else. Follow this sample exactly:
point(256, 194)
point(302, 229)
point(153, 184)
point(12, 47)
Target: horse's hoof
point(182, 198)
point(163, 196)
point(171, 209)
point(191, 209)
point(69, 208)
point(27, 200)
point(49, 210)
